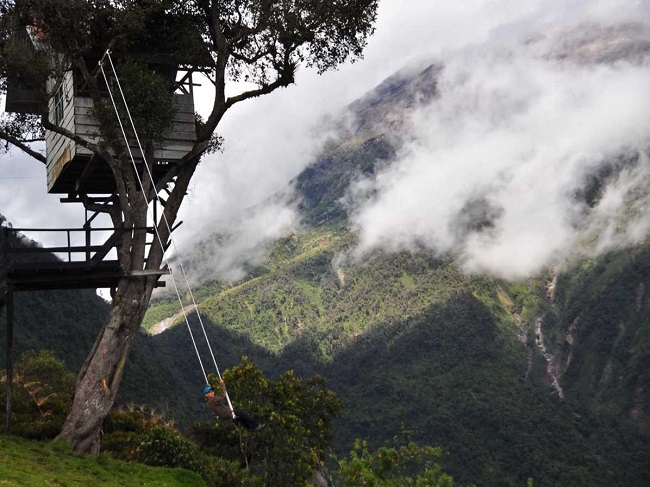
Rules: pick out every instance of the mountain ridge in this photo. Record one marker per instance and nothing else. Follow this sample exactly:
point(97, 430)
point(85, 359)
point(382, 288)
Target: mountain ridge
point(418, 348)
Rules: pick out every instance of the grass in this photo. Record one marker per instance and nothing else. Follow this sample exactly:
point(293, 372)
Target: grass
point(33, 463)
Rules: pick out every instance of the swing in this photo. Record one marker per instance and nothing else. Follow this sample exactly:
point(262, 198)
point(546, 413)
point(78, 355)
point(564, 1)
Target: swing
point(107, 55)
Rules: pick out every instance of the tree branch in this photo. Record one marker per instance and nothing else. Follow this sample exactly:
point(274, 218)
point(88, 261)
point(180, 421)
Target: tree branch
point(249, 60)
point(282, 80)
point(71, 135)
point(24, 147)
point(170, 213)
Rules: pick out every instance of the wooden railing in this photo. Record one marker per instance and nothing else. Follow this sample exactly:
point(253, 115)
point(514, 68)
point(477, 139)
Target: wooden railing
point(78, 262)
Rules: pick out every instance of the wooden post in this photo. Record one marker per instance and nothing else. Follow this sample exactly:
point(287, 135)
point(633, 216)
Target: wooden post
point(10, 352)
point(7, 299)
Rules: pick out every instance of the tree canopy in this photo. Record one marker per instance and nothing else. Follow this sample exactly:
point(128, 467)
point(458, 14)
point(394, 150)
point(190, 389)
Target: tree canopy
point(261, 42)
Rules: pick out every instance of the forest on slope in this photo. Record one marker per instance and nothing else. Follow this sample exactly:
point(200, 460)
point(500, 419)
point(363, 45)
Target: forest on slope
point(543, 378)
point(415, 349)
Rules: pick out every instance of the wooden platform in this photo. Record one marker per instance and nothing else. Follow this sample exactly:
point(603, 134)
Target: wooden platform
point(39, 276)
point(32, 268)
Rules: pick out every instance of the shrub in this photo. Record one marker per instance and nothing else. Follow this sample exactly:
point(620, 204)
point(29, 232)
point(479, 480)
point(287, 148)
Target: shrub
point(392, 466)
point(136, 434)
point(163, 447)
point(42, 394)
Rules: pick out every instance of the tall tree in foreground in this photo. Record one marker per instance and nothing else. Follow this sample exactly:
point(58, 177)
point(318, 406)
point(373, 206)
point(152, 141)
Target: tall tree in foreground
point(261, 42)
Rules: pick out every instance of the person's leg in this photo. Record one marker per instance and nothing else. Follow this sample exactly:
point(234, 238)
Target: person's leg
point(245, 419)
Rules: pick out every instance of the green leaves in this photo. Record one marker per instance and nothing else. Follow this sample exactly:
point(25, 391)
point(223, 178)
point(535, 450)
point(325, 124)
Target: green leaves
point(150, 101)
point(392, 466)
point(297, 415)
point(42, 392)
point(161, 446)
point(139, 435)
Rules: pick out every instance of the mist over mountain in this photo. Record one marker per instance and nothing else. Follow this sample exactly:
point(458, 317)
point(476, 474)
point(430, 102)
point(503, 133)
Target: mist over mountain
point(471, 260)
point(523, 133)
point(466, 260)
point(514, 156)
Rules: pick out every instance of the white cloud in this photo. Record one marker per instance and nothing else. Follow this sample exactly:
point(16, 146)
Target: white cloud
point(269, 140)
point(243, 242)
point(519, 134)
point(622, 216)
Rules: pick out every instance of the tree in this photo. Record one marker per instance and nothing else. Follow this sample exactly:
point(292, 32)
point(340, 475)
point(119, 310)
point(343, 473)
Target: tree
point(259, 41)
point(392, 466)
point(42, 396)
point(297, 415)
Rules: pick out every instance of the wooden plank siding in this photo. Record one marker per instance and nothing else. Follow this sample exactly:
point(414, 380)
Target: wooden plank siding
point(78, 118)
point(60, 149)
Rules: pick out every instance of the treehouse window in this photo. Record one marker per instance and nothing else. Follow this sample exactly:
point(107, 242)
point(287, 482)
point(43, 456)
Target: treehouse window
point(58, 105)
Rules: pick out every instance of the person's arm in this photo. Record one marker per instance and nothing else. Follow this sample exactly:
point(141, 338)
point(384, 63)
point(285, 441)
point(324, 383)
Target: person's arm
point(222, 394)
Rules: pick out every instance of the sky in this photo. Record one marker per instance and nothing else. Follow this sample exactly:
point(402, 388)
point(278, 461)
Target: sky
point(510, 129)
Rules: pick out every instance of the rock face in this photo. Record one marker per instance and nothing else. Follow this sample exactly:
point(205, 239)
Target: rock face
point(553, 368)
point(597, 44)
point(167, 322)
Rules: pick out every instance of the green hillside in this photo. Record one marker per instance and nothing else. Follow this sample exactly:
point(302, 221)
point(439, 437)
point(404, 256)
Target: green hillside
point(413, 345)
point(544, 379)
point(599, 330)
point(28, 463)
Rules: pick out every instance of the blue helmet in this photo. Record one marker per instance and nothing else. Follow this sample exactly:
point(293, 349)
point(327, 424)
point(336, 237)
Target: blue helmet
point(207, 389)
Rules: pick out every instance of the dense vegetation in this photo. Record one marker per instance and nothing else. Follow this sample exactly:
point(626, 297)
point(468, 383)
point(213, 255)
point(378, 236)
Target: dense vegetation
point(289, 447)
point(415, 349)
point(410, 343)
point(600, 325)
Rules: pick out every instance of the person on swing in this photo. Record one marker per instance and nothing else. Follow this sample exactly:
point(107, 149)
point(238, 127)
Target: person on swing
point(217, 403)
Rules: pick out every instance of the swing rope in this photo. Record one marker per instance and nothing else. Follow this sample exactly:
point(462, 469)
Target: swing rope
point(107, 55)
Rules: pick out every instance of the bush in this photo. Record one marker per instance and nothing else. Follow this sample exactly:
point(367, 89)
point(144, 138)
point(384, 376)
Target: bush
point(122, 429)
point(392, 466)
point(42, 394)
point(162, 447)
point(136, 434)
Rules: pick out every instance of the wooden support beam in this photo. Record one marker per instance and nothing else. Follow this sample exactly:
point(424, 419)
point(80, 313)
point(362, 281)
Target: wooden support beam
point(4, 263)
point(108, 245)
point(9, 358)
point(44, 250)
point(93, 199)
point(97, 207)
point(186, 84)
point(150, 272)
point(81, 180)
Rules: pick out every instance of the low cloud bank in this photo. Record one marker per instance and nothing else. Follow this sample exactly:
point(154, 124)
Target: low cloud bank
point(534, 152)
point(499, 161)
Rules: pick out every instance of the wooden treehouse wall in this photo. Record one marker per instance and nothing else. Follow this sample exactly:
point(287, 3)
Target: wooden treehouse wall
point(77, 117)
point(60, 149)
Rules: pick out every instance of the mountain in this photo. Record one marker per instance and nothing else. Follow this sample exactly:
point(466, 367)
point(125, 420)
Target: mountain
point(413, 345)
point(544, 377)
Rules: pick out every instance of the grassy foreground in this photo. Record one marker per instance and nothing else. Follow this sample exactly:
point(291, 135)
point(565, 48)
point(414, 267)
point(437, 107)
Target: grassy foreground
point(35, 463)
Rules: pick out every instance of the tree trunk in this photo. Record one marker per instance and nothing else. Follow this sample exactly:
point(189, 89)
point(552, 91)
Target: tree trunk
point(99, 379)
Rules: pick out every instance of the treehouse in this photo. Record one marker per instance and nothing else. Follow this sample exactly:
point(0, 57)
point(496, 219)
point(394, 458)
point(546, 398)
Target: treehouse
point(164, 46)
point(73, 169)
